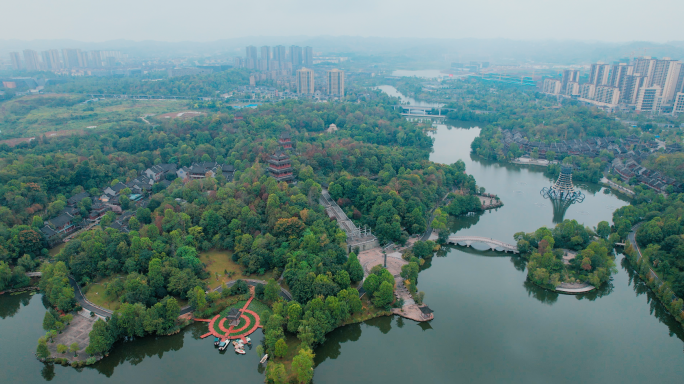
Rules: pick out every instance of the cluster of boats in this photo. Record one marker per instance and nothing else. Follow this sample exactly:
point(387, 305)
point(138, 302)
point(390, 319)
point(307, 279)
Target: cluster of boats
point(238, 344)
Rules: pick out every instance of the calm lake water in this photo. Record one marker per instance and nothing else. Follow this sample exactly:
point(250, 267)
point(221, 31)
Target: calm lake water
point(490, 325)
point(390, 90)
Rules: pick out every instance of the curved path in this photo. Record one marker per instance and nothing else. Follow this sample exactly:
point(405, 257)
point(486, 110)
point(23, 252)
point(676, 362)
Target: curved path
point(103, 312)
point(493, 244)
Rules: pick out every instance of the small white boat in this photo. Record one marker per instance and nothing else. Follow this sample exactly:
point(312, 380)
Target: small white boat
point(263, 359)
point(240, 351)
point(223, 346)
point(249, 341)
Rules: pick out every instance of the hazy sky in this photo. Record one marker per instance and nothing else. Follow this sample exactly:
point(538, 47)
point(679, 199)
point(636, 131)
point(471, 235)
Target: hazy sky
point(208, 20)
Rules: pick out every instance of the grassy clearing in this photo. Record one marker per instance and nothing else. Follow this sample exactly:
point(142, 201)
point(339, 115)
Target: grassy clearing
point(258, 307)
point(96, 294)
point(221, 262)
point(54, 251)
point(32, 115)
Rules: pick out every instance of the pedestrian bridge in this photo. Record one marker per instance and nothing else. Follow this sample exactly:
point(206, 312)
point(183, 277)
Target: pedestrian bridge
point(494, 245)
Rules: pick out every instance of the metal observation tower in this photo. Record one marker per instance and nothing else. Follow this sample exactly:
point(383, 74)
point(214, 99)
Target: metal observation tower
point(562, 194)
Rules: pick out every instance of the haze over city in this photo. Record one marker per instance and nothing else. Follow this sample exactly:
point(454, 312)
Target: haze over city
point(209, 20)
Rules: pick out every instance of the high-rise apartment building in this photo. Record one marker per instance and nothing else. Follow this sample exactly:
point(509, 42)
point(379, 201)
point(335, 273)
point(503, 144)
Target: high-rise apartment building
point(678, 106)
point(16, 60)
point(572, 88)
point(31, 60)
point(569, 75)
point(630, 88)
point(266, 53)
point(83, 60)
point(618, 72)
point(607, 95)
point(251, 53)
point(599, 74)
point(666, 76)
point(72, 58)
point(335, 79)
point(279, 53)
point(305, 81)
point(308, 56)
point(552, 86)
point(649, 99)
point(587, 91)
point(296, 56)
point(95, 59)
point(51, 59)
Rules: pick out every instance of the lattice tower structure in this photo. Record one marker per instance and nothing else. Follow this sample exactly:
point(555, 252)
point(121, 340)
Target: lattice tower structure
point(563, 189)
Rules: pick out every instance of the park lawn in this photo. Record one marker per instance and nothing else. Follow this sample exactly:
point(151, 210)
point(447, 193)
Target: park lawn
point(258, 307)
point(221, 261)
point(96, 294)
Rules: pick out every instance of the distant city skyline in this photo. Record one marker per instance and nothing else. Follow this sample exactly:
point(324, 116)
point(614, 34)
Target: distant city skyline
point(205, 20)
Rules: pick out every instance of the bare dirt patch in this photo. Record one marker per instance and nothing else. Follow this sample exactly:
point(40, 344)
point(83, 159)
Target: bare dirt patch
point(181, 115)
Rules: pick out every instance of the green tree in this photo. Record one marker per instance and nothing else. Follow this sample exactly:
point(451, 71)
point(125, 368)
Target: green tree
point(198, 300)
point(271, 291)
point(384, 296)
point(61, 348)
point(280, 348)
point(277, 373)
point(294, 315)
point(101, 339)
point(74, 348)
point(48, 321)
point(302, 365)
point(42, 350)
point(603, 229)
point(354, 268)
point(371, 284)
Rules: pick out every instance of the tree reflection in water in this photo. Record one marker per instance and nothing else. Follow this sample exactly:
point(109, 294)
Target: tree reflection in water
point(48, 372)
point(657, 309)
point(136, 350)
point(543, 295)
point(334, 340)
point(10, 304)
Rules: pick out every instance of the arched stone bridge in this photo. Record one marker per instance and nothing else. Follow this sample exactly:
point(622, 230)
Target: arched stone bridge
point(495, 245)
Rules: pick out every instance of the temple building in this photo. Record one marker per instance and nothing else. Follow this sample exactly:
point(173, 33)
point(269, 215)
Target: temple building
point(285, 140)
point(279, 166)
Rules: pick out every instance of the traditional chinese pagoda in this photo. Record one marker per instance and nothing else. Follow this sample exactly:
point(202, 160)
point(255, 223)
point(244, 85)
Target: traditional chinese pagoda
point(285, 140)
point(279, 166)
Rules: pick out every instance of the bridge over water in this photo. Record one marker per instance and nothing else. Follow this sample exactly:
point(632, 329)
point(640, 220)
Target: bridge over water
point(493, 244)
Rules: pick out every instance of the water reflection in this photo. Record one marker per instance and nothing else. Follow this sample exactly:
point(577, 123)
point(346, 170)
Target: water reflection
point(544, 296)
point(656, 308)
point(48, 372)
point(335, 339)
point(560, 208)
point(12, 303)
point(136, 350)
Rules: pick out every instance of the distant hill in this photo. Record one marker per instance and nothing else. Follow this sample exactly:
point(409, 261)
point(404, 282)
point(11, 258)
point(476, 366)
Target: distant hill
point(410, 49)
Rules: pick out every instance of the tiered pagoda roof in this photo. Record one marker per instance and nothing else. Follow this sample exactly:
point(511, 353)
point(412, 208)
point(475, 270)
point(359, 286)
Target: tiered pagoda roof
point(285, 140)
point(279, 166)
